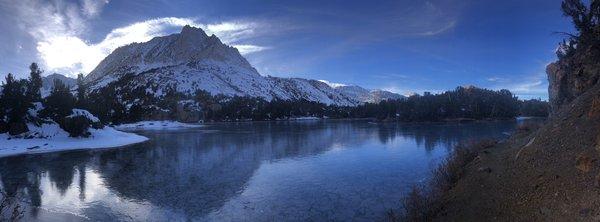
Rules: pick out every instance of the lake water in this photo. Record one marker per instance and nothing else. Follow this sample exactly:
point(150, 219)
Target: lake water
point(266, 171)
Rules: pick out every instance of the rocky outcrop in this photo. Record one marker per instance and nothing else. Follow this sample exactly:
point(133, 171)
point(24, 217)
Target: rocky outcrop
point(571, 76)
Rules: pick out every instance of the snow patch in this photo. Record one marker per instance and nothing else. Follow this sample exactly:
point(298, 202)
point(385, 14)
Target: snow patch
point(50, 138)
point(84, 113)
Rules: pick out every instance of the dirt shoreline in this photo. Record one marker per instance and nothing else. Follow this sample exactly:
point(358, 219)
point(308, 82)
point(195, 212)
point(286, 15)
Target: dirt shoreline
point(549, 174)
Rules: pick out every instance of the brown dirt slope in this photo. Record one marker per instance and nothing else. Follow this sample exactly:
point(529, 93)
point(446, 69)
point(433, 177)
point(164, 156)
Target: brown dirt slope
point(551, 174)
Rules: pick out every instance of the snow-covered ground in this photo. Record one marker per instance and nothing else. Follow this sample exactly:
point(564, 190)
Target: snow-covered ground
point(156, 125)
point(50, 138)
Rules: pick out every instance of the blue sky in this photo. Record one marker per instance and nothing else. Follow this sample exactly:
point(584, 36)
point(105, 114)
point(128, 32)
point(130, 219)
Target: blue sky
point(403, 45)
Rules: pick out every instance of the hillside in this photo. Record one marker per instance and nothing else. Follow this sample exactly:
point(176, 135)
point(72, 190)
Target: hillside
point(549, 174)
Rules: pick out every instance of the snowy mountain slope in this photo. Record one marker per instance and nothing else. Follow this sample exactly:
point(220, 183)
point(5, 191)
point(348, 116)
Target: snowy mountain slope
point(313, 90)
point(380, 95)
point(368, 96)
point(356, 92)
point(193, 61)
point(48, 81)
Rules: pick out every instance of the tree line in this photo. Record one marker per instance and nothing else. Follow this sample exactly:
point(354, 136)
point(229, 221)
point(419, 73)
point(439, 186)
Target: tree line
point(21, 102)
point(461, 103)
point(22, 105)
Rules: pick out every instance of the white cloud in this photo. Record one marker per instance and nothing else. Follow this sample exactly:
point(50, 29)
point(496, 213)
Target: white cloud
point(332, 84)
point(247, 49)
point(58, 27)
point(231, 31)
point(528, 86)
point(48, 19)
point(69, 54)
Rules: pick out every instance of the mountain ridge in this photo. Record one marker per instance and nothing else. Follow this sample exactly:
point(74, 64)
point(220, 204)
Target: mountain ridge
point(191, 60)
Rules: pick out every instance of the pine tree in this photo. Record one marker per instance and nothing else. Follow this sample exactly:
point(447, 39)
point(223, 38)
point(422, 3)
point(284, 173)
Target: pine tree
point(3, 109)
point(59, 103)
point(35, 83)
point(15, 104)
point(81, 92)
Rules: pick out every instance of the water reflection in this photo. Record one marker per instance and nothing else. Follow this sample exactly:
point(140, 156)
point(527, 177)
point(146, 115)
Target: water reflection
point(314, 170)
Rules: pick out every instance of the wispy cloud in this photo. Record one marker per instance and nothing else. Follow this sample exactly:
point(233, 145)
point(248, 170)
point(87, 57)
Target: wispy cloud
point(247, 49)
point(332, 84)
point(395, 76)
point(525, 86)
point(58, 28)
point(91, 8)
point(448, 26)
point(371, 25)
point(496, 79)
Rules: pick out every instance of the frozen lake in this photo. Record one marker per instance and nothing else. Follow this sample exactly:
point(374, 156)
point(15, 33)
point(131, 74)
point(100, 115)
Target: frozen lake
point(266, 171)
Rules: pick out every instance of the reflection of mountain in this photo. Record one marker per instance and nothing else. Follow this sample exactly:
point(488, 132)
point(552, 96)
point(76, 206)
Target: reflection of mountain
point(206, 170)
point(197, 172)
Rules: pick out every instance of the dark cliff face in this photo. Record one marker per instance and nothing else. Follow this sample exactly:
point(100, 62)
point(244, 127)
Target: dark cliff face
point(571, 76)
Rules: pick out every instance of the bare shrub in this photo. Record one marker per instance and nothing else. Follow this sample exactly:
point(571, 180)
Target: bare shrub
point(422, 203)
point(10, 207)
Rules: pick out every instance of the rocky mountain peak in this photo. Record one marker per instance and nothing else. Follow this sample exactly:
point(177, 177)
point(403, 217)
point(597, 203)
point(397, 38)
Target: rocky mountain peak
point(190, 46)
point(188, 30)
